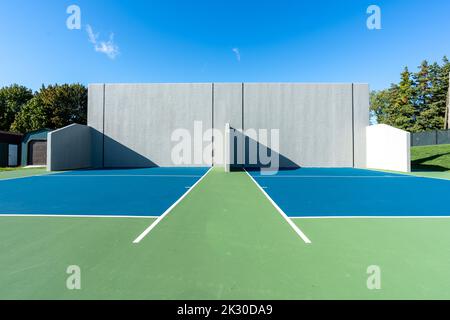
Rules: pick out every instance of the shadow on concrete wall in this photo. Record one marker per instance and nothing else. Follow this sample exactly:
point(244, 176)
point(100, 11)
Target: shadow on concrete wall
point(109, 153)
point(252, 150)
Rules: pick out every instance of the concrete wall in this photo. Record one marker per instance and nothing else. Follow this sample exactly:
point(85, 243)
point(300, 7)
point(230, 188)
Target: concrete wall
point(388, 148)
point(139, 120)
point(228, 99)
point(361, 95)
point(321, 125)
point(96, 94)
point(315, 121)
point(69, 148)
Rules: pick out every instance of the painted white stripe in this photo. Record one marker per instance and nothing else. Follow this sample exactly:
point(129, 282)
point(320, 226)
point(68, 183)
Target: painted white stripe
point(373, 217)
point(291, 223)
point(124, 175)
point(346, 177)
point(72, 216)
point(160, 218)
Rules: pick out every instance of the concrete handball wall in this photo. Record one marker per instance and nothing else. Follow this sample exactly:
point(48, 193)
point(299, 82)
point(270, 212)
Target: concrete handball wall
point(227, 109)
point(361, 116)
point(139, 121)
point(321, 125)
point(95, 121)
point(315, 121)
point(388, 148)
point(69, 148)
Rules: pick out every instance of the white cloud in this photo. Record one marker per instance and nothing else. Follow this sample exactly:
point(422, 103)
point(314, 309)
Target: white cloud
point(107, 47)
point(237, 53)
point(92, 37)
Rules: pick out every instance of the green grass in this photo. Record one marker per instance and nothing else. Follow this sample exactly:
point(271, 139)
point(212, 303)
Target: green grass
point(431, 161)
point(224, 241)
point(431, 158)
point(8, 173)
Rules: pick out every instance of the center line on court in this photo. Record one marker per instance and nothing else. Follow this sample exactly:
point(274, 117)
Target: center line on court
point(155, 223)
point(291, 223)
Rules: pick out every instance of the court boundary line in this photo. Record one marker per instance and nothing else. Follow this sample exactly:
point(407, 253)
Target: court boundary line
point(161, 217)
point(124, 175)
point(281, 212)
point(370, 217)
point(344, 177)
point(73, 216)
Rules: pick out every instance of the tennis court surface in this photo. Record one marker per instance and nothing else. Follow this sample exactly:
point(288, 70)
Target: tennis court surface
point(217, 235)
point(120, 192)
point(346, 192)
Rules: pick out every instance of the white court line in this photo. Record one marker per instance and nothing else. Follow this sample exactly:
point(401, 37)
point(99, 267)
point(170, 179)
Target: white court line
point(155, 223)
point(72, 216)
point(291, 223)
point(124, 175)
point(346, 177)
point(372, 217)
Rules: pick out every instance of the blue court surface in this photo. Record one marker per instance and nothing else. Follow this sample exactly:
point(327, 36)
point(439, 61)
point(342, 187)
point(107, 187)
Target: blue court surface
point(346, 192)
point(120, 192)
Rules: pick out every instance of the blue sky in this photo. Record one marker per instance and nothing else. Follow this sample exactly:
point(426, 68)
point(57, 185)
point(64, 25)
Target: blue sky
point(199, 41)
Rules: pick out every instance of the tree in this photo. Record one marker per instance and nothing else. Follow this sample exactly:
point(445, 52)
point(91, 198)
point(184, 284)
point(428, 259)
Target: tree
point(53, 107)
point(403, 115)
point(381, 103)
point(418, 102)
point(12, 100)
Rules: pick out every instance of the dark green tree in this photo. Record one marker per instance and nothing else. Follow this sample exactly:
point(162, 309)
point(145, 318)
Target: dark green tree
point(380, 104)
point(418, 102)
point(12, 100)
point(53, 107)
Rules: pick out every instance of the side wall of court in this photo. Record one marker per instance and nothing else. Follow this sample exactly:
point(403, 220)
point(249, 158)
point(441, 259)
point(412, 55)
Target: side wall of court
point(320, 125)
point(69, 148)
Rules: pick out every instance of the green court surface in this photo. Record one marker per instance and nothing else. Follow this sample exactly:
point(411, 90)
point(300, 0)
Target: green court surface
point(225, 240)
point(10, 173)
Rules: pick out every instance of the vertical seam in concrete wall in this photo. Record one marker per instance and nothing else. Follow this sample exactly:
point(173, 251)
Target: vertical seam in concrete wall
point(212, 126)
point(242, 107)
point(353, 123)
point(103, 126)
point(243, 125)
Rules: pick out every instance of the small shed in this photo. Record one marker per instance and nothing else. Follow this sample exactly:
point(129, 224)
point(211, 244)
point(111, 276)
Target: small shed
point(34, 148)
point(10, 149)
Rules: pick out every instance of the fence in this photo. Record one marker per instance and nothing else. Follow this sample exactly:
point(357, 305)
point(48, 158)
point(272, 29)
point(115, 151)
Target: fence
point(429, 138)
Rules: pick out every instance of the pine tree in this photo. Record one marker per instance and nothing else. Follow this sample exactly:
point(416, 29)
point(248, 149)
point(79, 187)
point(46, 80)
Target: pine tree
point(418, 102)
point(403, 111)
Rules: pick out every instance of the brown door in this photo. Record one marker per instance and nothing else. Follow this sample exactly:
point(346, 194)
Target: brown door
point(37, 153)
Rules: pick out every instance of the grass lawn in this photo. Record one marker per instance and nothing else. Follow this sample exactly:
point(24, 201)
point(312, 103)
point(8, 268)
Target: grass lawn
point(431, 158)
point(431, 161)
